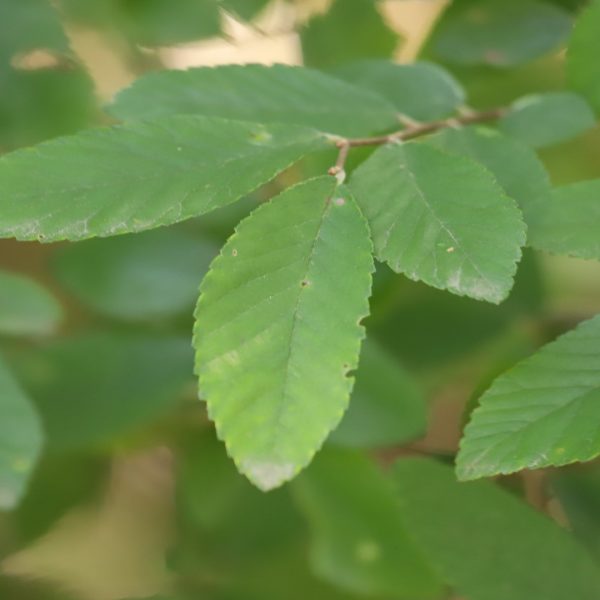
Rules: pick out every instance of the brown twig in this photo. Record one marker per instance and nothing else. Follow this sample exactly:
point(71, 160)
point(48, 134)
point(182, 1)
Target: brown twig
point(410, 132)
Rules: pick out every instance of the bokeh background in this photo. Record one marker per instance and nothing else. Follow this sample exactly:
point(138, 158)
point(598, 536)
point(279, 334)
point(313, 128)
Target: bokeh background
point(134, 497)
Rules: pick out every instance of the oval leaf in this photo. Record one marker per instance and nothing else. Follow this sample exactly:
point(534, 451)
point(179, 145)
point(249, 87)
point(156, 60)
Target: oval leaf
point(26, 308)
point(545, 119)
point(440, 219)
point(21, 439)
point(139, 176)
point(544, 411)
point(277, 94)
point(360, 541)
point(421, 90)
point(295, 276)
point(488, 544)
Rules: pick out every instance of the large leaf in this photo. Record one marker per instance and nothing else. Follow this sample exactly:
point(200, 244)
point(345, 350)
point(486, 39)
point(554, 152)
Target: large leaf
point(26, 308)
point(516, 166)
point(94, 388)
point(544, 119)
point(488, 544)
point(500, 34)
point(151, 275)
point(387, 407)
point(349, 30)
point(441, 219)
point(360, 541)
point(277, 94)
point(544, 411)
point(421, 90)
point(278, 328)
point(583, 67)
point(21, 439)
point(139, 176)
point(568, 222)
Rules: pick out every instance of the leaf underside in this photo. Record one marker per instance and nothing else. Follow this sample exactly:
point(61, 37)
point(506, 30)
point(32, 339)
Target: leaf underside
point(295, 277)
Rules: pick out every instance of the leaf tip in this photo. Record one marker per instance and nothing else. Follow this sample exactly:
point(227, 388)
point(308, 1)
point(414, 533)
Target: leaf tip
point(267, 474)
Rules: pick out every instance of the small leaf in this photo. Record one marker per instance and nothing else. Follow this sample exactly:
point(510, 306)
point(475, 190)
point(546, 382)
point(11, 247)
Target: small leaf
point(486, 543)
point(94, 388)
point(21, 439)
point(499, 34)
point(440, 219)
point(516, 166)
point(139, 176)
point(421, 90)
point(349, 30)
point(544, 411)
point(583, 67)
point(387, 407)
point(151, 275)
point(278, 328)
point(360, 540)
point(277, 94)
point(26, 308)
point(568, 222)
point(545, 119)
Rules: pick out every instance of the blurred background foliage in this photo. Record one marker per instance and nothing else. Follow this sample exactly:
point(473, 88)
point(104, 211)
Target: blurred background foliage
point(126, 493)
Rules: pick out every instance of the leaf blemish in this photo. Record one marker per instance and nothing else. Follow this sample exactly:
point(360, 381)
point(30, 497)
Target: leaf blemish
point(339, 202)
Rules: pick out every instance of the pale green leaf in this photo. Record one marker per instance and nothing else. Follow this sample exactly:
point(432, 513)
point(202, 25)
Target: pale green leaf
point(92, 389)
point(545, 119)
point(21, 439)
point(387, 407)
point(583, 67)
point(441, 219)
point(26, 308)
point(151, 275)
point(349, 30)
point(422, 90)
point(500, 34)
point(294, 278)
point(568, 222)
point(277, 94)
point(516, 166)
point(486, 543)
point(360, 540)
point(544, 411)
point(142, 175)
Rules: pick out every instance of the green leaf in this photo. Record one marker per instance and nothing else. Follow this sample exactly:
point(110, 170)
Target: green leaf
point(499, 34)
point(360, 540)
point(387, 407)
point(26, 308)
point(278, 328)
point(568, 222)
point(545, 119)
point(488, 544)
point(421, 90)
point(441, 219)
point(349, 30)
point(151, 275)
point(21, 439)
point(29, 25)
point(583, 68)
point(94, 388)
point(516, 166)
point(544, 411)
point(159, 23)
point(140, 176)
point(294, 95)
point(245, 9)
